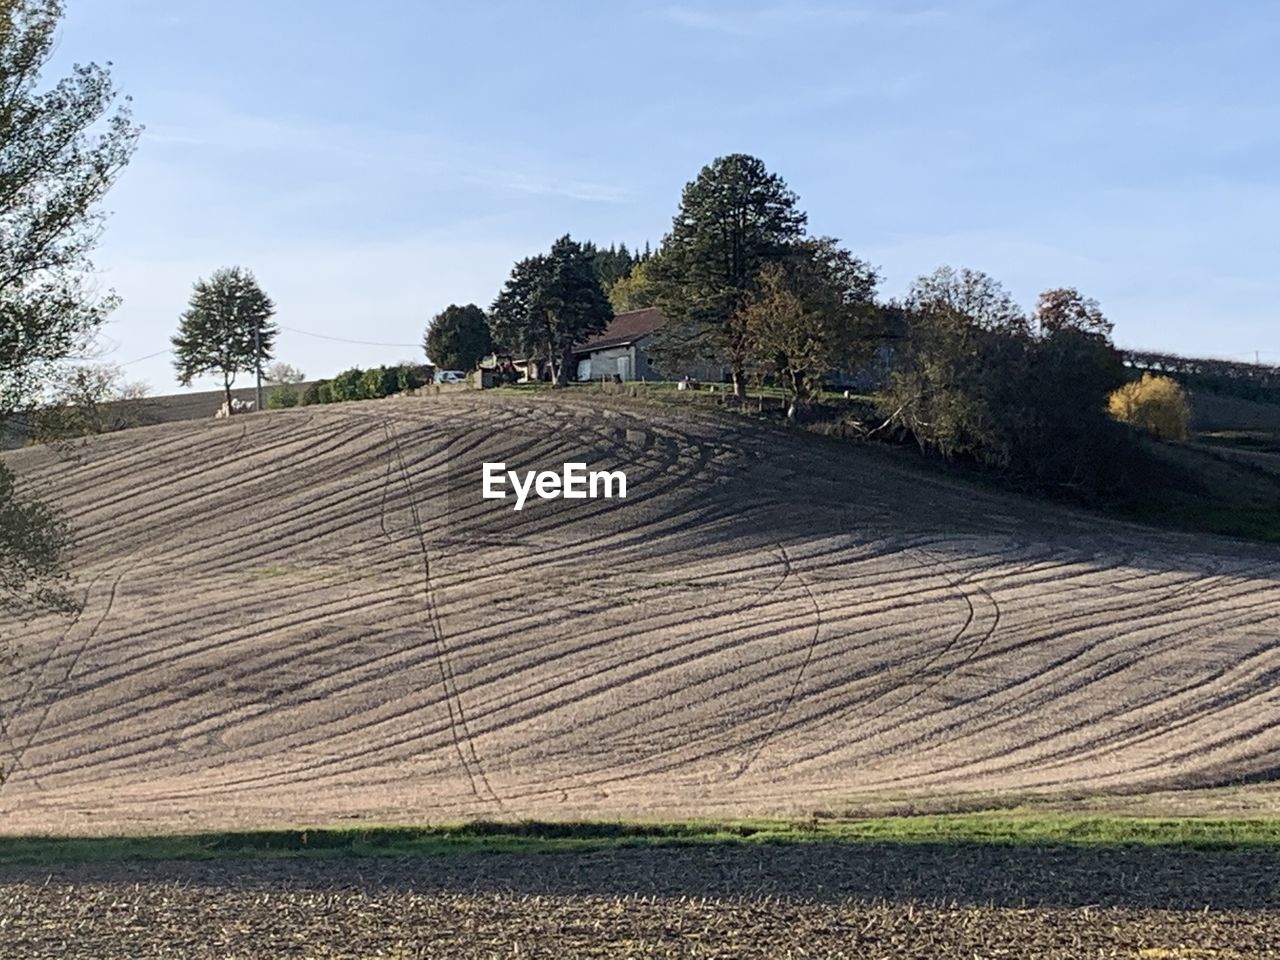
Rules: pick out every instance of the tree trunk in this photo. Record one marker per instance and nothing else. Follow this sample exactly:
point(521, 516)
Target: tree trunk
point(562, 371)
point(226, 385)
point(739, 385)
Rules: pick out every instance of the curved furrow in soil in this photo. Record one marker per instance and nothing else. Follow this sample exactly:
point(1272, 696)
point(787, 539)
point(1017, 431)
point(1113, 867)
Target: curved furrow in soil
point(323, 614)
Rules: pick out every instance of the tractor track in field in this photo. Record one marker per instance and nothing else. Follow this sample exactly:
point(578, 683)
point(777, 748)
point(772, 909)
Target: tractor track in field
point(51, 691)
point(463, 740)
point(313, 615)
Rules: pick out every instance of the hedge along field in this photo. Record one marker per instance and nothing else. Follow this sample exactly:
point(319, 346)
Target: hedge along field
point(372, 384)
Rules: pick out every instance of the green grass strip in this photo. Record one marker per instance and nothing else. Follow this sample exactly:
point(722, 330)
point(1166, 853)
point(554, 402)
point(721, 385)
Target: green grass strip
point(1001, 828)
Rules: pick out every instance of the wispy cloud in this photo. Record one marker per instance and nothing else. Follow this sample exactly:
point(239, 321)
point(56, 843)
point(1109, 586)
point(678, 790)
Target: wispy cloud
point(584, 190)
point(767, 20)
point(390, 153)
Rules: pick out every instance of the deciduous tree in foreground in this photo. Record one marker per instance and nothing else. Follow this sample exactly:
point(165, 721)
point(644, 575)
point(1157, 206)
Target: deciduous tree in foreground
point(61, 149)
point(226, 330)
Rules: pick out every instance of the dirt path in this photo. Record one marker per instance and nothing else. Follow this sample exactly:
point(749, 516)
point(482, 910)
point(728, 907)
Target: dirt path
point(312, 616)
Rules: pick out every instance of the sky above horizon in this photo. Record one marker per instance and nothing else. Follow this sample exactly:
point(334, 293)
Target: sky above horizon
point(374, 163)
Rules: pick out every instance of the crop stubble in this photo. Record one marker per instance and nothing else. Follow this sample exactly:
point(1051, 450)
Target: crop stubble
point(868, 901)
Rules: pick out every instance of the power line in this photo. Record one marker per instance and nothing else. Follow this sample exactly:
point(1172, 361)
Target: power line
point(149, 356)
point(364, 343)
point(305, 333)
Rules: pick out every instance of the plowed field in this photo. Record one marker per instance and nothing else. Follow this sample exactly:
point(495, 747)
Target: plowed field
point(312, 615)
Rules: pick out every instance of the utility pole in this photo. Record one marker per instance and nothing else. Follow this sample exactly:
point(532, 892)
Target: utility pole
point(257, 359)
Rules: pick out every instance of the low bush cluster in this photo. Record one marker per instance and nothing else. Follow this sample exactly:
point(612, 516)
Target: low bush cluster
point(282, 397)
point(357, 384)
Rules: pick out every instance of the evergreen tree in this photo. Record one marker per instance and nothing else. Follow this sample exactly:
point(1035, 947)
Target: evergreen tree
point(551, 302)
point(734, 218)
point(458, 338)
point(611, 265)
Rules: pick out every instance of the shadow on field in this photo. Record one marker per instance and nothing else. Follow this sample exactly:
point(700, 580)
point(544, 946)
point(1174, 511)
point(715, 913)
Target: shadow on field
point(963, 874)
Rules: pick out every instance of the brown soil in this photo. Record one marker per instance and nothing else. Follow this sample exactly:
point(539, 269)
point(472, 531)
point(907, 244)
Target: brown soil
point(311, 616)
point(866, 902)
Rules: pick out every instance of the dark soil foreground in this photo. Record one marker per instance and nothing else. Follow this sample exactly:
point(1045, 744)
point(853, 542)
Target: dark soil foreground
point(880, 901)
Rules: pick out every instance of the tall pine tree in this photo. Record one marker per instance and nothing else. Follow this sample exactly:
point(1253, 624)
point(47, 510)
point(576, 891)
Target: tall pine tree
point(735, 217)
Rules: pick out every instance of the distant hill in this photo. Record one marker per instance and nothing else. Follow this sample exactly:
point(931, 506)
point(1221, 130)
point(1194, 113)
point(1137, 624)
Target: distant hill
point(1249, 381)
point(167, 408)
point(1212, 412)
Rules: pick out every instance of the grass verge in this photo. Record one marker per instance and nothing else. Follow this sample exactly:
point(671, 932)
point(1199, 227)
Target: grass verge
point(1001, 828)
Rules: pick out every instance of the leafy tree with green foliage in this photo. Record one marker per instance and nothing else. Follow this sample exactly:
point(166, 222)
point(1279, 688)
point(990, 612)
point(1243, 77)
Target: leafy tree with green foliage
point(636, 290)
point(734, 218)
point(411, 376)
point(226, 330)
point(61, 150)
point(348, 385)
point(458, 338)
point(378, 382)
point(810, 313)
point(358, 384)
point(550, 303)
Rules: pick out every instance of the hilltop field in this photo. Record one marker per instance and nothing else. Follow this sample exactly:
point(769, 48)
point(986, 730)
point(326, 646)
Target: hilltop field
point(311, 620)
point(311, 616)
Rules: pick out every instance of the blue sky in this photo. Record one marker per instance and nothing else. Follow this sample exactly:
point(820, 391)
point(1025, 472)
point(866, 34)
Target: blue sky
point(374, 162)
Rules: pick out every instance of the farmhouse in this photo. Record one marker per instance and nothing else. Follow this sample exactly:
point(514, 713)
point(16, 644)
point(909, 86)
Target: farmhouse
point(621, 349)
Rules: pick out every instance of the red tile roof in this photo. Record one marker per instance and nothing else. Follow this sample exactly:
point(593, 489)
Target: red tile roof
point(625, 329)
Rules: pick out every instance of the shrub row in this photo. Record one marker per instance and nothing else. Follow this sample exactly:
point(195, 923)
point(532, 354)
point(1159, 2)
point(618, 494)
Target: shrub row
point(357, 384)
